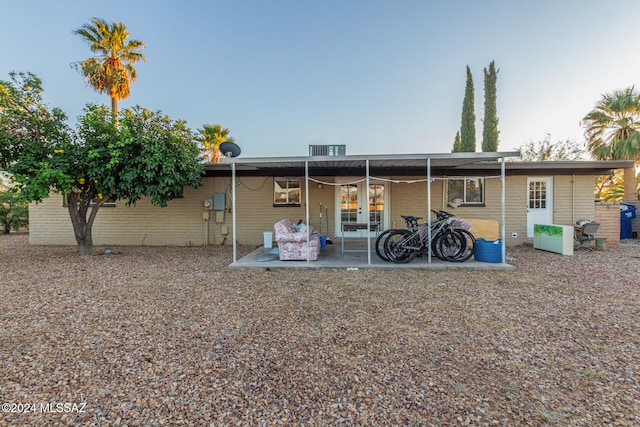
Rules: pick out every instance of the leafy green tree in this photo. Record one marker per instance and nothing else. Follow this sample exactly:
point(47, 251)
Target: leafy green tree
point(211, 136)
point(148, 155)
point(468, 126)
point(111, 71)
point(490, 122)
point(544, 150)
point(13, 213)
point(26, 124)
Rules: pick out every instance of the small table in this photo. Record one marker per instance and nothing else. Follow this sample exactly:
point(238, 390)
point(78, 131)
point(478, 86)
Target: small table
point(356, 227)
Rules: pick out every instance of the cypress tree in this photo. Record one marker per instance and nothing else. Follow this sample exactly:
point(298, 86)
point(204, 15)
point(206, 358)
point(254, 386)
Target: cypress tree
point(490, 122)
point(456, 143)
point(468, 128)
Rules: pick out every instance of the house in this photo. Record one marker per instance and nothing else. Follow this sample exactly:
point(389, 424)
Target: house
point(342, 189)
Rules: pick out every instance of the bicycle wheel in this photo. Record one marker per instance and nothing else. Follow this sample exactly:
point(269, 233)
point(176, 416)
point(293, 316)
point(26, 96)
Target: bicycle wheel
point(397, 245)
point(451, 245)
point(380, 250)
point(434, 246)
point(470, 244)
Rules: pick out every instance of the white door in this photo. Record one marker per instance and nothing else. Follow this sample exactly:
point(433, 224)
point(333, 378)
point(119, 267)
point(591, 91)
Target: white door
point(351, 208)
point(539, 203)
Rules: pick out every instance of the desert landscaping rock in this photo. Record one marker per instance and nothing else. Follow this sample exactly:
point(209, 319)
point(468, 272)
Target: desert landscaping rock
point(171, 336)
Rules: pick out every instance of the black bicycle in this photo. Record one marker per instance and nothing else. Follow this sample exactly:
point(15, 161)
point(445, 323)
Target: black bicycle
point(447, 239)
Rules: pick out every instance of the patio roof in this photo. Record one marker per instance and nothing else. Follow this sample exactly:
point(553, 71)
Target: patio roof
point(442, 164)
point(438, 164)
point(317, 165)
point(345, 165)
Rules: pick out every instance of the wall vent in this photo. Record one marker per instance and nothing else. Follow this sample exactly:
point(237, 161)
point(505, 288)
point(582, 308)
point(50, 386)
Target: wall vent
point(327, 150)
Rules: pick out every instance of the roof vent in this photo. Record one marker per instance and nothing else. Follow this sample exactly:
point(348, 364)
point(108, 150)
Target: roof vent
point(327, 150)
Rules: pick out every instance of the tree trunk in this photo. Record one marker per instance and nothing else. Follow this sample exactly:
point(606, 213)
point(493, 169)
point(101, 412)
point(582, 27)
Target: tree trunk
point(81, 224)
point(630, 185)
point(85, 242)
point(114, 110)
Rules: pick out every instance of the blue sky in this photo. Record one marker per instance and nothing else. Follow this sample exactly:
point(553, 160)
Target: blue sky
point(379, 76)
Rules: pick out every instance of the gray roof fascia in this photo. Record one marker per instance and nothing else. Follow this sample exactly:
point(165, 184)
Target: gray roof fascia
point(472, 157)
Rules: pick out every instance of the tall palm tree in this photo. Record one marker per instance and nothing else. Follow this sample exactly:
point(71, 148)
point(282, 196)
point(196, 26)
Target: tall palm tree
point(211, 136)
point(613, 132)
point(613, 126)
point(111, 71)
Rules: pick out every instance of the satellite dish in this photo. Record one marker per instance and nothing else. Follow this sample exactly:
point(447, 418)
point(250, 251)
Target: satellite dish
point(230, 149)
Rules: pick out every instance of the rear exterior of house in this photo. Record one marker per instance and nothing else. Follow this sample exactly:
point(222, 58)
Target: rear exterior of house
point(534, 193)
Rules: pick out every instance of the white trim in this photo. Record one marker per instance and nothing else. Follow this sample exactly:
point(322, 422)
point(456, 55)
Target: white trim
point(306, 209)
point(233, 206)
point(503, 198)
point(428, 207)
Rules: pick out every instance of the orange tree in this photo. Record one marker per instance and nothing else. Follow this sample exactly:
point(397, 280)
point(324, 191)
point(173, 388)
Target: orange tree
point(147, 156)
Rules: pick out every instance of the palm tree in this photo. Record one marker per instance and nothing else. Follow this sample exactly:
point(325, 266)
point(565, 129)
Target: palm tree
point(111, 71)
point(613, 131)
point(613, 126)
point(211, 136)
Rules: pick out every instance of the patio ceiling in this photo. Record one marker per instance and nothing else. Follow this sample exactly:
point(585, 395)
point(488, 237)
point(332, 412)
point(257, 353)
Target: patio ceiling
point(451, 164)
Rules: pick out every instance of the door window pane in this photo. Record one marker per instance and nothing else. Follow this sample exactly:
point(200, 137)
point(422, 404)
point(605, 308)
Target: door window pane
point(376, 203)
point(537, 195)
point(349, 203)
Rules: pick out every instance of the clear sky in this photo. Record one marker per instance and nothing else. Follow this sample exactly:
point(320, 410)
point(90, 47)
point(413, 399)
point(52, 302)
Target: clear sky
point(379, 76)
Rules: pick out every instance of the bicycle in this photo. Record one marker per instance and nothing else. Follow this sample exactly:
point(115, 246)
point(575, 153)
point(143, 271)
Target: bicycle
point(411, 222)
point(447, 242)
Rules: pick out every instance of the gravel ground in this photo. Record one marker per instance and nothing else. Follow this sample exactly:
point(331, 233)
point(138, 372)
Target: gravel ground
point(150, 336)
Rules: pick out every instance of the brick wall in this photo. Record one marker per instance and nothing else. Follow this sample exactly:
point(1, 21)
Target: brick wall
point(182, 222)
point(608, 215)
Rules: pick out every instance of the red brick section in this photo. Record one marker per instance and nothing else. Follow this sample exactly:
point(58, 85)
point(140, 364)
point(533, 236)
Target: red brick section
point(608, 215)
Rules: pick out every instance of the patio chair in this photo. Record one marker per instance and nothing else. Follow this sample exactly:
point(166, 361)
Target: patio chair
point(585, 232)
point(293, 245)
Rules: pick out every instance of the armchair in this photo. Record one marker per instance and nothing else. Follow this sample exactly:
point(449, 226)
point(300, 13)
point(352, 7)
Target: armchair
point(293, 245)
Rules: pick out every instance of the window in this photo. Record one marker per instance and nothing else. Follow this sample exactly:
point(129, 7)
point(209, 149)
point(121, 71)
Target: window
point(469, 190)
point(286, 191)
point(537, 195)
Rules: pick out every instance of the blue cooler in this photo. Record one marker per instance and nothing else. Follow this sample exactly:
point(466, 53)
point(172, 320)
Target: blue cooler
point(488, 250)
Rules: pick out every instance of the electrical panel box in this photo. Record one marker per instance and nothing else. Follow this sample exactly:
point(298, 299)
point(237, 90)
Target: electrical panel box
point(219, 202)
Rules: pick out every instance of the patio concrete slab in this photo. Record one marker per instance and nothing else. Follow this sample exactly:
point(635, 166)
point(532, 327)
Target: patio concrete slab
point(331, 257)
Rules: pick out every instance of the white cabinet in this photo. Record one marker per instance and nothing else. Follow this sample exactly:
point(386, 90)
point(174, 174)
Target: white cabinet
point(553, 238)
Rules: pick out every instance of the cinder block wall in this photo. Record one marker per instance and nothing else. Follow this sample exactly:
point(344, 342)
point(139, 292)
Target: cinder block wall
point(608, 215)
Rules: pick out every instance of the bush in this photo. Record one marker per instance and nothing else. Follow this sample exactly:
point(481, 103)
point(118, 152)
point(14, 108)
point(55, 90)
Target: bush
point(13, 214)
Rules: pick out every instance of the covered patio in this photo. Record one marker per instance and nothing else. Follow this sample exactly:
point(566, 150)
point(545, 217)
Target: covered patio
point(331, 257)
point(369, 167)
